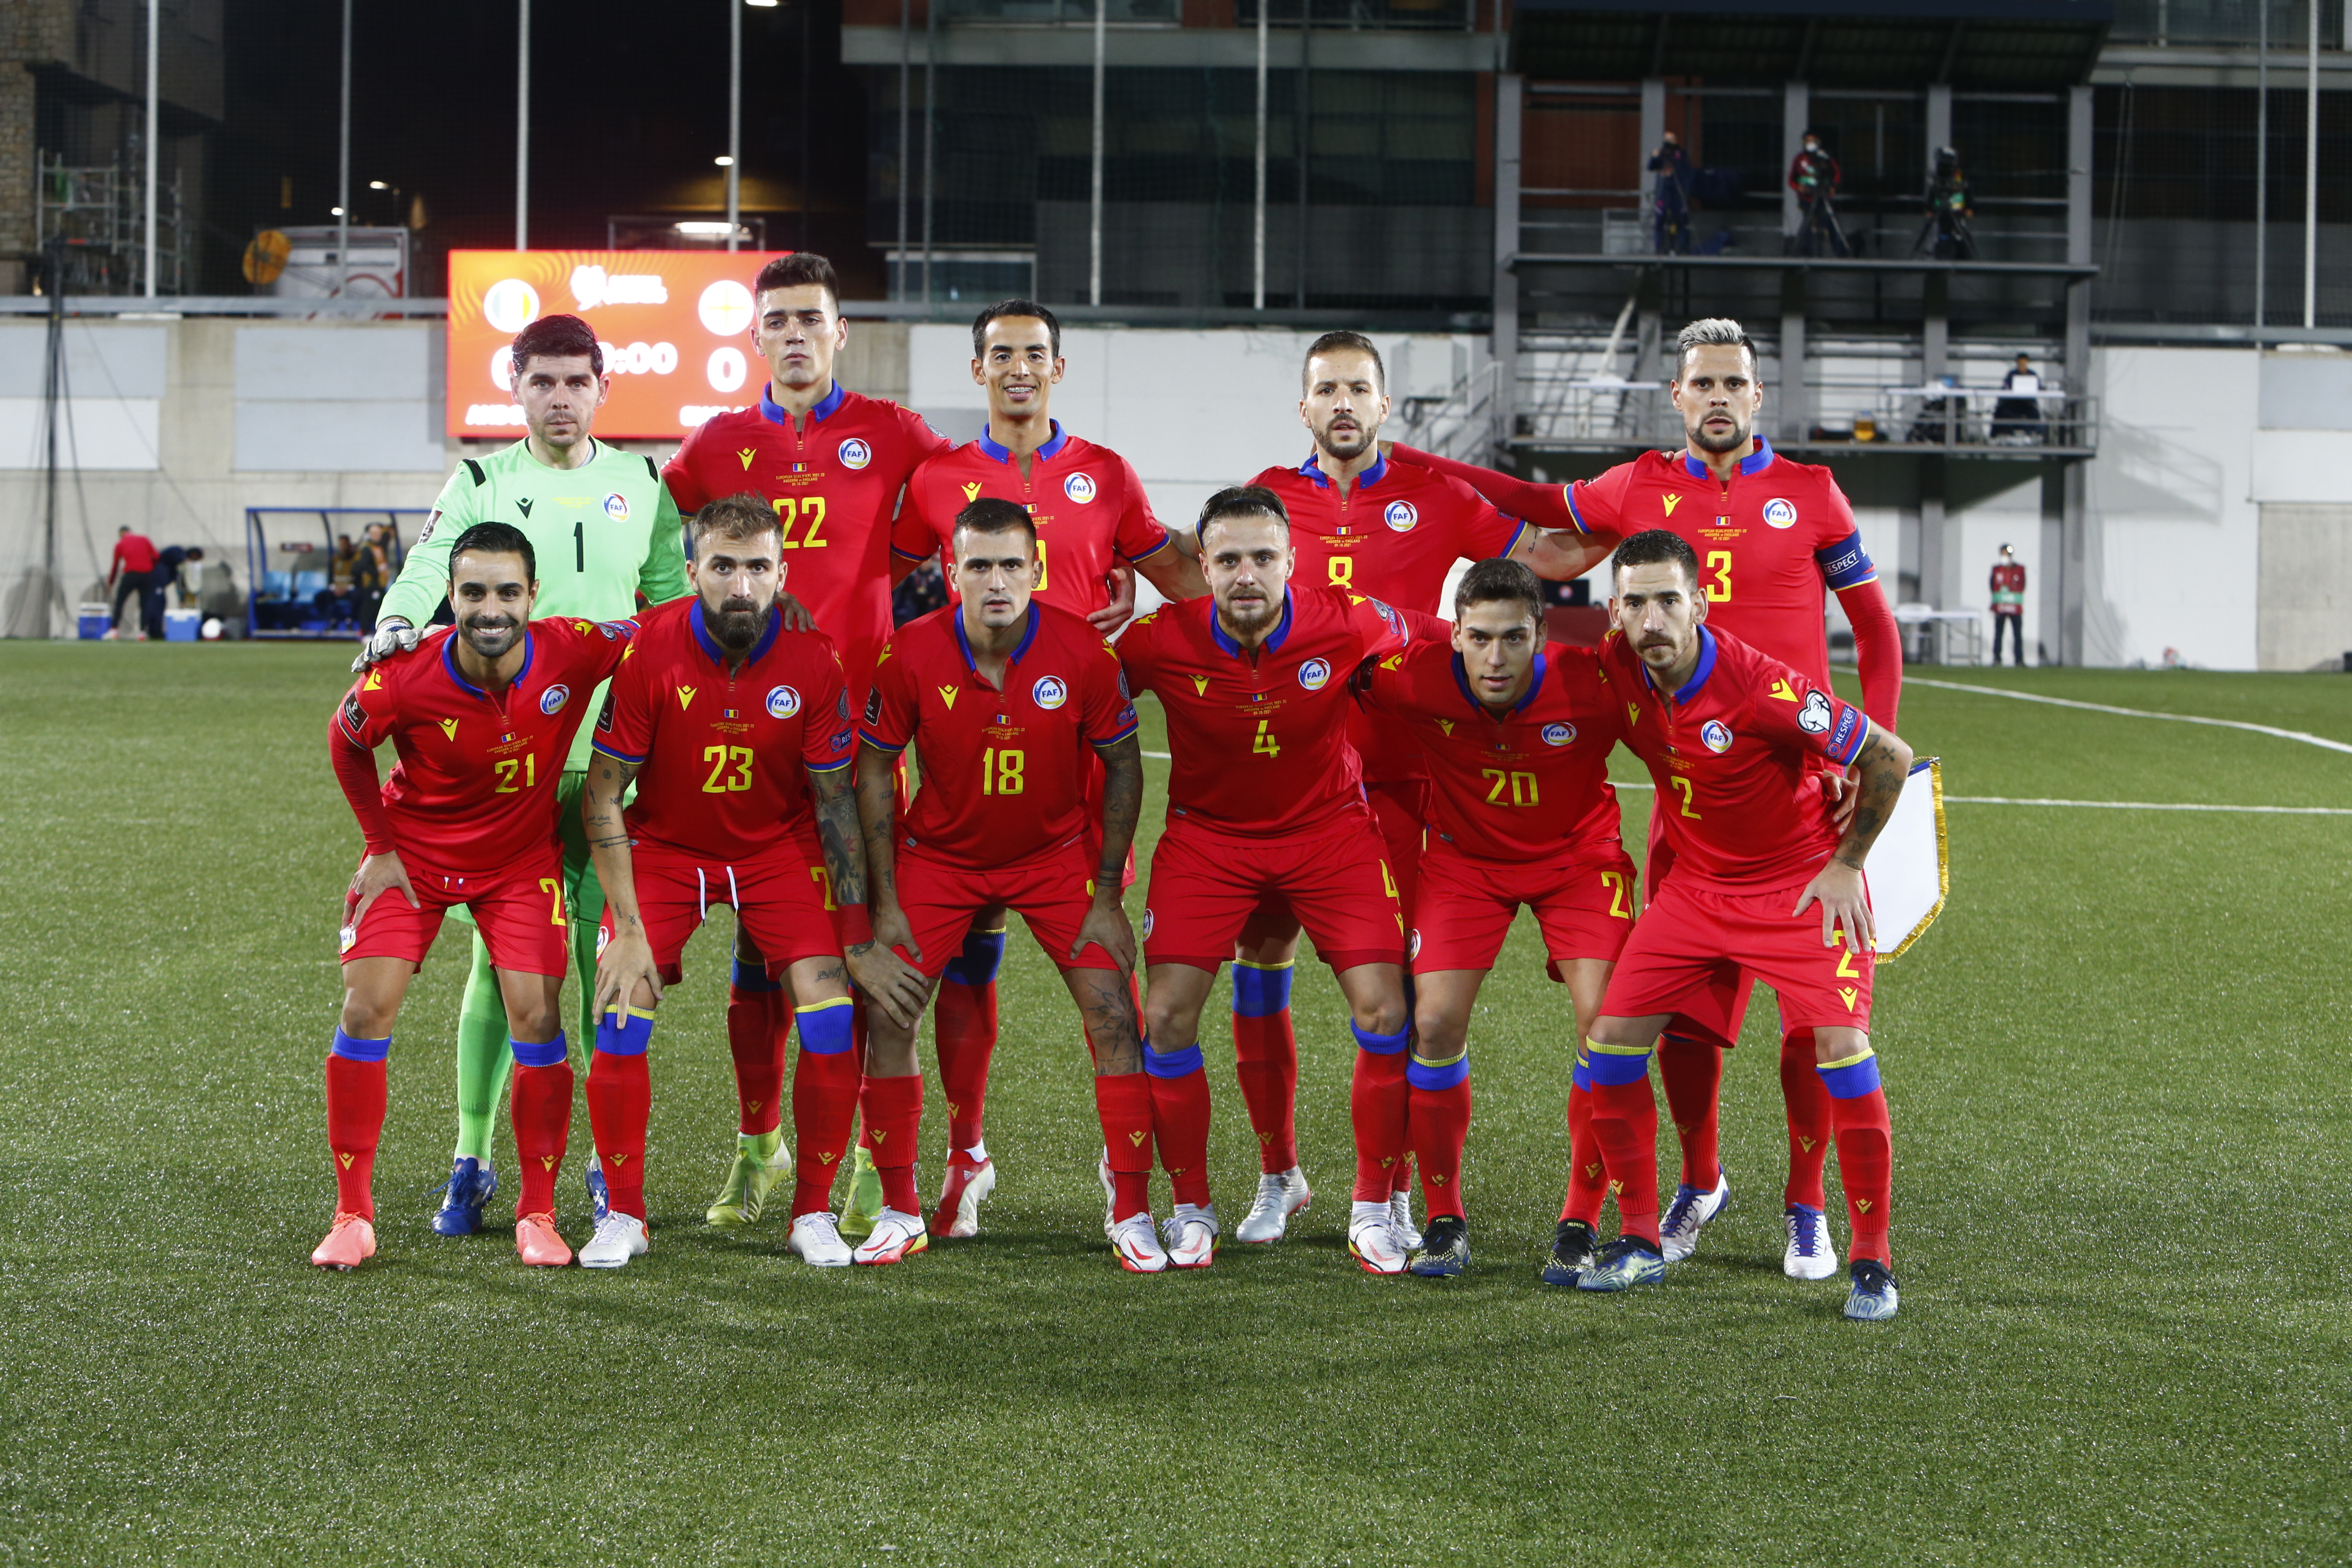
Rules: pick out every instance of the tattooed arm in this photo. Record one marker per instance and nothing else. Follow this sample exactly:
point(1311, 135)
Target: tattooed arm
point(1883, 763)
point(882, 974)
point(626, 973)
point(1105, 924)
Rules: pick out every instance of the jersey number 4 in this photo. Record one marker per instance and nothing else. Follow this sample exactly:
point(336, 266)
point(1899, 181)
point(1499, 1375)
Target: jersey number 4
point(793, 511)
point(1265, 742)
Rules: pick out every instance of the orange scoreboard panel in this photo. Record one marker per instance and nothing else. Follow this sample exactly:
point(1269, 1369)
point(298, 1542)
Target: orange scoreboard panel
point(675, 326)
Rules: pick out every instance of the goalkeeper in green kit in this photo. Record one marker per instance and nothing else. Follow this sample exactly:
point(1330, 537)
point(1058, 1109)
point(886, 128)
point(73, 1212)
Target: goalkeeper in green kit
point(604, 530)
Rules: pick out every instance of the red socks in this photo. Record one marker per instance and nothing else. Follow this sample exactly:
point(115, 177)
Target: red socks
point(754, 1032)
point(1585, 1187)
point(1438, 1125)
point(1380, 1104)
point(1265, 1061)
point(825, 1109)
point(540, 1105)
point(1866, 1165)
point(356, 1101)
point(1692, 1072)
point(1810, 1123)
point(893, 1108)
point(1625, 1125)
point(620, 1101)
point(1124, 1103)
point(1180, 1125)
point(964, 1018)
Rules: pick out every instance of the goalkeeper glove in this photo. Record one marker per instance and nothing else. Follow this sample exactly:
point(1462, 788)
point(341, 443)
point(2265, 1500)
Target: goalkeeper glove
point(390, 637)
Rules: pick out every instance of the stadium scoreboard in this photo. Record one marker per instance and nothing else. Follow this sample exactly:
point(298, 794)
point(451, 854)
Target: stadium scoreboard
point(675, 325)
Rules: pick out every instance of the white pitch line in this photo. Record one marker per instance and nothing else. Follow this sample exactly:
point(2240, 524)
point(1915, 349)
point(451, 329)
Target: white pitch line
point(2307, 740)
point(2150, 805)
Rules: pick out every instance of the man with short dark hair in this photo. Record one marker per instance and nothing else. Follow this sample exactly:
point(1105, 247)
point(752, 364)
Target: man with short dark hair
point(831, 464)
point(482, 715)
point(1094, 523)
point(605, 533)
point(1732, 738)
point(131, 571)
point(1516, 731)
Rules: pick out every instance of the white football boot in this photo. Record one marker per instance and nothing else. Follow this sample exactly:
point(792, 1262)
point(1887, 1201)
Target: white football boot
point(618, 1238)
point(817, 1238)
point(1372, 1239)
point(1279, 1197)
point(1191, 1234)
point(1136, 1243)
point(1688, 1215)
point(896, 1236)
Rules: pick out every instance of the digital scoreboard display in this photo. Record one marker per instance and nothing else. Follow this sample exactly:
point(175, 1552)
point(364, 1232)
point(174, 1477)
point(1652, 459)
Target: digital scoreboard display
point(675, 326)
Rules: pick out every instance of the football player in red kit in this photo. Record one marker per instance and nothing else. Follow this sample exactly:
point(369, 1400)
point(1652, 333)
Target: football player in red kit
point(736, 735)
point(1266, 798)
point(1094, 529)
point(482, 716)
point(1732, 739)
point(1360, 523)
point(1517, 733)
point(1773, 539)
point(831, 463)
point(1007, 700)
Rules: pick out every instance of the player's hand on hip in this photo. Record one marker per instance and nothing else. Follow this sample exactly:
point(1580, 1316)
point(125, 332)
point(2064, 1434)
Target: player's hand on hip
point(1108, 620)
point(794, 615)
point(1845, 901)
point(627, 962)
point(378, 874)
point(1106, 926)
point(898, 986)
point(391, 636)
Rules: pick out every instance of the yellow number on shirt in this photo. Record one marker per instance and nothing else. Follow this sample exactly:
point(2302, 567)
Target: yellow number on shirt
point(1684, 785)
point(1521, 786)
point(1265, 741)
point(553, 889)
point(1041, 567)
point(1719, 562)
point(723, 759)
point(792, 510)
point(525, 766)
point(1342, 571)
point(1000, 772)
point(1615, 882)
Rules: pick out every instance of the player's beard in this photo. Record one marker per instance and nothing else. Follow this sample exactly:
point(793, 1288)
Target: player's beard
point(738, 623)
point(1347, 443)
point(491, 637)
point(1706, 441)
point(1249, 619)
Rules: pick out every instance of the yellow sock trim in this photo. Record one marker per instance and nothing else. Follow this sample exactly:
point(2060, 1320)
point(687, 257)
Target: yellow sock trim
point(1861, 1056)
point(1591, 1045)
point(829, 1002)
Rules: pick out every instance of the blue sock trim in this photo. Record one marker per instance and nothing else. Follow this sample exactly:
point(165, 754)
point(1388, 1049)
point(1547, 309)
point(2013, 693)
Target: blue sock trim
point(1260, 993)
point(752, 977)
point(1436, 1076)
point(623, 1032)
point(1381, 1045)
point(1171, 1064)
point(984, 951)
point(825, 1026)
point(1607, 1069)
point(546, 1054)
point(1851, 1080)
point(352, 1050)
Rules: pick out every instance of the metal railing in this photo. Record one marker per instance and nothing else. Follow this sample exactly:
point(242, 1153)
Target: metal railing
point(1603, 412)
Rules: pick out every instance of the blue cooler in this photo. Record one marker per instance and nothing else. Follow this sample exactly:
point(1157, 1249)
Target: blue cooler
point(181, 626)
point(91, 621)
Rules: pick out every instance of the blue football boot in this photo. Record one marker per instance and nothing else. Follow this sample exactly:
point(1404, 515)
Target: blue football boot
point(600, 1197)
point(1873, 1299)
point(1573, 1250)
point(471, 1181)
point(1624, 1263)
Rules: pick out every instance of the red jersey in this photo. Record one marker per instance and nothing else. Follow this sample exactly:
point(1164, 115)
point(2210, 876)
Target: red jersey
point(475, 789)
point(725, 758)
point(1770, 542)
point(1531, 786)
point(1260, 738)
point(835, 481)
point(1086, 501)
point(1395, 536)
point(132, 552)
point(1732, 752)
point(1003, 777)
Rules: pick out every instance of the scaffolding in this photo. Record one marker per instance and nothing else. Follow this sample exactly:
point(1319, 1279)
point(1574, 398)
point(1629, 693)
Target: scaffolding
point(96, 212)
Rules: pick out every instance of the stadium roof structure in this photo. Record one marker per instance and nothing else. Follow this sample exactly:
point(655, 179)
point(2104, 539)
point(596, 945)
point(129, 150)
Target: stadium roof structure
point(2006, 45)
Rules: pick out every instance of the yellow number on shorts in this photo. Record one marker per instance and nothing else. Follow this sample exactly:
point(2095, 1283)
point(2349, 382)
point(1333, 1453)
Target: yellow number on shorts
point(1845, 969)
point(722, 759)
point(526, 767)
point(1342, 571)
point(1719, 562)
point(1265, 741)
point(792, 511)
point(823, 886)
point(1000, 772)
point(553, 888)
point(1522, 786)
point(1388, 881)
point(1684, 785)
point(1615, 882)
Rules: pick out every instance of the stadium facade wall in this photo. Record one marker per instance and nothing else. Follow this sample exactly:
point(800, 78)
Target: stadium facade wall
point(2195, 542)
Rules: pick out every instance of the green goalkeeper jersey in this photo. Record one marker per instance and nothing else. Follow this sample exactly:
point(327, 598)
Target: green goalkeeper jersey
point(603, 532)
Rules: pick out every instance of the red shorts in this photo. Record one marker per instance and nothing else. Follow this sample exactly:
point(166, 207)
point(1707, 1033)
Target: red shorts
point(1714, 1013)
point(1205, 884)
point(519, 911)
point(1689, 939)
point(1051, 889)
point(1584, 904)
point(1401, 806)
point(777, 903)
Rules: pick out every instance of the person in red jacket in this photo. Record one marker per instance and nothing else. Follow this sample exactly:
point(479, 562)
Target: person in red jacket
point(2009, 604)
point(1773, 538)
point(132, 572)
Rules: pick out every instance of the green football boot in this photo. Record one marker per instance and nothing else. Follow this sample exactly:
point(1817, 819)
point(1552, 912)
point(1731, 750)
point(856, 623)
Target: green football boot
point(762, 1160)
point(864, 1201)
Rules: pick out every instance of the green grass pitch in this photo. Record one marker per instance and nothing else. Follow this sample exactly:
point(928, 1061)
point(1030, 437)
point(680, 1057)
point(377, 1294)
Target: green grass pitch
point(2117, 1072)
